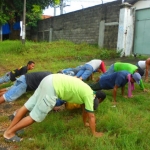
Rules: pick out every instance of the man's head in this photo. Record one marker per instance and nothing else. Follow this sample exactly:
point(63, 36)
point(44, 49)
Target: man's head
point(136, 77)
point(102, 68)
point(30, 65)
point(140, 71)
point(99, 97)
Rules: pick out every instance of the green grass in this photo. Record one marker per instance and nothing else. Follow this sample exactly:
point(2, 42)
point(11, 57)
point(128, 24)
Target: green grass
point(125, 127)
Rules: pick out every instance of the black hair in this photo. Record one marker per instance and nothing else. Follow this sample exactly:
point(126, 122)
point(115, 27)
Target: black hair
point(100, 94)
point(140, 71)
point(30, 62)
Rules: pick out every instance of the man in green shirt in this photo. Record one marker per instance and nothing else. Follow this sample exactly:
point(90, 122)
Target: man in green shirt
point(119, 66)
point(43, 100)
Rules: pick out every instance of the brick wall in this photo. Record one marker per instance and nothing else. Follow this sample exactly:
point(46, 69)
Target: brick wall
point(81, 26)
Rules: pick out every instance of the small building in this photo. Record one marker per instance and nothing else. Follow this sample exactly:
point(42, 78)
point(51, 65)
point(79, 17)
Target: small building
point(134, 26)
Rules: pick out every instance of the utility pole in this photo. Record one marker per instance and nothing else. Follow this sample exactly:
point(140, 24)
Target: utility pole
point(24, 23)
point(55, 7)
point(61, 7)
point(54, 10)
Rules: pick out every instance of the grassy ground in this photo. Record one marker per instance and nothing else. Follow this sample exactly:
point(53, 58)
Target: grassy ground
point(125, 127)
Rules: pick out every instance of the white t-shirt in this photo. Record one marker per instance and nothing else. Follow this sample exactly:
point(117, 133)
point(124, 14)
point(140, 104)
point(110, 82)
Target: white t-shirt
point(142, 64)
point(95, 63)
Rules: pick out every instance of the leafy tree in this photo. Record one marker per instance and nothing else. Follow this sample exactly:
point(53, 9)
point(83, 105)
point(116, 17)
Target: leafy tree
point(11, 8)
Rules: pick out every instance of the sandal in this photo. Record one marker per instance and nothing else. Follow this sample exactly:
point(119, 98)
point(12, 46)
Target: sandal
point(14, 139)
point(20, 132)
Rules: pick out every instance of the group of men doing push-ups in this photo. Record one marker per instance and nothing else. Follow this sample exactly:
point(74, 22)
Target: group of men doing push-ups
point(50, 87)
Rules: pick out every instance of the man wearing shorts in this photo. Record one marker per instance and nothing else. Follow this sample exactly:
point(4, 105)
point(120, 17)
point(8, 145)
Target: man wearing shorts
point(43, 100)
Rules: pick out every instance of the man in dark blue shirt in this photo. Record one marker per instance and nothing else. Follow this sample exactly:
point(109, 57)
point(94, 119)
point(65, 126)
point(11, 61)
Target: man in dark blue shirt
point(116, 80)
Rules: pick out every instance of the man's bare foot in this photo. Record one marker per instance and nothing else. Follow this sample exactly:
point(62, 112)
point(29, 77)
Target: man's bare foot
point(8, 136)
point(98, 134)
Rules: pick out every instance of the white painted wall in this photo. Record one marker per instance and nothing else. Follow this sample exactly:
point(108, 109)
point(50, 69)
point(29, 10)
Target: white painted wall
point(142, 4)
point(125, 30)
point(129, 32)
point(121, 31)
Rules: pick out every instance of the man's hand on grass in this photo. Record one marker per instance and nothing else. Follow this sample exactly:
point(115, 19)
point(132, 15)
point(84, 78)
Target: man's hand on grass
point(98, 134)
point(146, 90)
point(87, 124)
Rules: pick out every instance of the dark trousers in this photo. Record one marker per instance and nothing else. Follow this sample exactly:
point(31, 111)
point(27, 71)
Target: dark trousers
point(95, 87)
point(140, 71)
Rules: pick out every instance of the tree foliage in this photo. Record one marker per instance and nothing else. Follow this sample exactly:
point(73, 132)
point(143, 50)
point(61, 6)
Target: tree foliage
point(9, 8)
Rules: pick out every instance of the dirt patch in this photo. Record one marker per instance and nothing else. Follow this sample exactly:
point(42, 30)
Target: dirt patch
point(3, 69)
point(6, 109)
point(132, 60)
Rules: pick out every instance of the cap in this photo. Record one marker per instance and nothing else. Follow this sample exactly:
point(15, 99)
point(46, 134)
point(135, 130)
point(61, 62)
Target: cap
point(137, 77)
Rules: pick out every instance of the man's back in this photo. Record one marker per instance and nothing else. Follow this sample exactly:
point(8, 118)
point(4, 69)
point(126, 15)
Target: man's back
point(110, 80)
point(118, 66)
point(33, 79)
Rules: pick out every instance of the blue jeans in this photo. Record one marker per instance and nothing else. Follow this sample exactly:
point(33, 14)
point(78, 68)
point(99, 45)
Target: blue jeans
point(5, 78)
point(16, 90)
point(68, 71)
point(59, 102)
point(72, 71)
point(109, 71)
point(85, 71)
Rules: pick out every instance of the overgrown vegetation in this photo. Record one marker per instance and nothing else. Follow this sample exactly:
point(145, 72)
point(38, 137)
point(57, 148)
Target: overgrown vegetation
point(11, 10)
point(125, 127)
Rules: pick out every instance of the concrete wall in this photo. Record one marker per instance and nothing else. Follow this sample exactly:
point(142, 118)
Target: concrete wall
point(81, 26)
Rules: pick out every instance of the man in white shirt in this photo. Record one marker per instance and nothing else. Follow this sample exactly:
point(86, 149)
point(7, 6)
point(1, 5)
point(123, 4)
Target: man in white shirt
point(145, 66)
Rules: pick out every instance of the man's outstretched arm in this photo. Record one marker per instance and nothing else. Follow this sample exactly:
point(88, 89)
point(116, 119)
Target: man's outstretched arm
point(89, 120)
point(147, 63)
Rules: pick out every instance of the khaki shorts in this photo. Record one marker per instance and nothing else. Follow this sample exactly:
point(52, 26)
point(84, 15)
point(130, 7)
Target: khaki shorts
point(43, 100)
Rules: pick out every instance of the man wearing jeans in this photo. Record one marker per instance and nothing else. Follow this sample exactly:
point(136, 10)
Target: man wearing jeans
point(70, 71)
point(11, 76)
point(95, 65)
point(44, 99)
point(27, 82)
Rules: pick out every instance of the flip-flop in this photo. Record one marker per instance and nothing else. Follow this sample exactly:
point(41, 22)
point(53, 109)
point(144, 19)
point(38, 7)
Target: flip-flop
point(14, 139)
point(11, 117)
point(20, 132)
